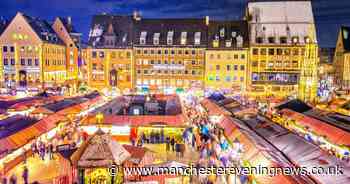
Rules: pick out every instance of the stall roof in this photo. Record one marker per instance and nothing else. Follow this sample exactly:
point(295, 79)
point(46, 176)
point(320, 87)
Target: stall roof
point(213, 108)
point(295, 105)
point(14, 124)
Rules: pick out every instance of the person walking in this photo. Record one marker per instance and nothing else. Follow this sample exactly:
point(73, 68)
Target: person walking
point(25, 175)
point(172, 143)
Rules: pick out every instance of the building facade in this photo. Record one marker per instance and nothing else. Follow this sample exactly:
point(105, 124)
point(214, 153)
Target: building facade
point(342, 58)
point(227, 56)
point(109, 55)
point(169, 54)
point(32, 54)
point(71, 38)
point(283, 46)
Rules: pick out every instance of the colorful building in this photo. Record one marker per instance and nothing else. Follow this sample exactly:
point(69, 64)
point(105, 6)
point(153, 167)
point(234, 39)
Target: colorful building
point(169, 54)
point(342, 58)
point(71, 38)
point(109, 54)
point(227, 56)
point(283, 46)
point(32, 54)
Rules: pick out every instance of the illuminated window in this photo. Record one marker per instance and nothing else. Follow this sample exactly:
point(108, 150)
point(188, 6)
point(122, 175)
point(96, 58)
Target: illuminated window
point(272, 40)
point(263, 51)
point(283, 40)
point(259, 40)
point(183, 38)
point(239, 41)
point(13, 62)
point(255, 52)
point(271, 51)
point(4, 48)
point(197, 38)
point(6, 62)
point(170, 37)
point(222, 32)
point(156, 38)
point(143, 37)
point(228, 43)
point(12, 49)
point(23, 62)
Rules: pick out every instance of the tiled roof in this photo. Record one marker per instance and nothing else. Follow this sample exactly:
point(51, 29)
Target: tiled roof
point(230, 31)
point(163, 27)
point(122, 27)
point(43, 29)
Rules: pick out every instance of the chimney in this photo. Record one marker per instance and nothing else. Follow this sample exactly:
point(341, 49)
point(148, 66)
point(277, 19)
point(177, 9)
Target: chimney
point(69, 19)
point(207, 20)
point(137, 16)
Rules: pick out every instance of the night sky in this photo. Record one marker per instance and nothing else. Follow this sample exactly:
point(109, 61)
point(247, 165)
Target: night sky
point(329, 14)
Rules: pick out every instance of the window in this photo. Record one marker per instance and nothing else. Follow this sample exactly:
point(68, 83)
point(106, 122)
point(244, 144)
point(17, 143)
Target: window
point(138, 71)
point(179, 52)
point(235, 67)
point(170, 37)
point(217, 67)
point(263, 64)
point(263, 51)
point(166, 52)
point(193, 72)
point(295, 40)
point(272, 40)
point(228, 67)
point(307, 39)
point(254, 64)
point(13, 62)
point(36, 62)
point(283, 40)
point(197, 38)
point(228, 43)
point(156, 38)
point(193, 62)
point(228, 78)
point(271, 51)
point(183, 38)
point(143, 38)
point(255, 52)
point(152, 51)
point(235, 56)
point(218, 56)
point(4, 49)
point(242, 79)
point(172, 52)
point(279, 52)
point(243, 56)
point(242, 67)
point(6, 62)
point(187, 52)
point(287, 52)
point(159, 52)
point(259, 40)
point(193, 52)
point(23, 62)
point(145, 51)
point(222, 32)
point(217, 78)
point(102, 54)
point(94, 54)
point(295, 52)
point(12, 49)
point(239, 40)
point(30, 62)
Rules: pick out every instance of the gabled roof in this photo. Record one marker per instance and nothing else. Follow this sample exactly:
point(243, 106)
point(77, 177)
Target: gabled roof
point(68, 25)
point(100, 150)
point(345, 36)
point(239, 28)
point(164, 26)
point(122, 27)
point(43, 29)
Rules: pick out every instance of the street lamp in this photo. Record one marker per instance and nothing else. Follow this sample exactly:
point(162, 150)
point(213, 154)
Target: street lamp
point(99, 118)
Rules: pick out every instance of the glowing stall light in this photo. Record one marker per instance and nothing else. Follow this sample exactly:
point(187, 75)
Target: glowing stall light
point(120, 130)
point(90, 129)
point(51, 134)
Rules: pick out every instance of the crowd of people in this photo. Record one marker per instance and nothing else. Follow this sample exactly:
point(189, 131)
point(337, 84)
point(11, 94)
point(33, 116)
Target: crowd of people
point(209, 140)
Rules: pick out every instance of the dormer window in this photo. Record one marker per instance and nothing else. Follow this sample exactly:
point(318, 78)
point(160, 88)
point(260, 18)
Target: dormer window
point(183, 38)
point(170, 37)
point(233, 34)
point(222, 32)
point(216, 41)
point(228, 43)
point(197, 38)
point(239, 41)
point(156, 38)
point(143, 37)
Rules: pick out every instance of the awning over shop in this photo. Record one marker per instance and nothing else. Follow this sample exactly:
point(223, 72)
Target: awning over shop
point(331, 133)
point(213, 109)
point(173, 121)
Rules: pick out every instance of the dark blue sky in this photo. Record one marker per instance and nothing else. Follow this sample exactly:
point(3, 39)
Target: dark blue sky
point(329, 14)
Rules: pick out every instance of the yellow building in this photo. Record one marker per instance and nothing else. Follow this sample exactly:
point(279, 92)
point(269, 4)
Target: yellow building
point(227, 56)
point(284, 51)
point(342, 58)
point(71, 38)
point(169, 54)
point(109, 55)
point(33, 54)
